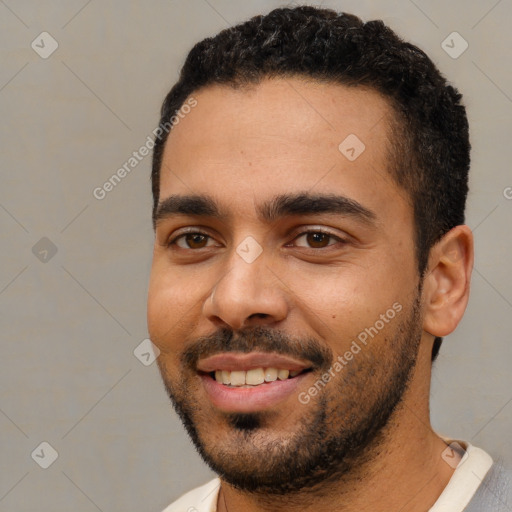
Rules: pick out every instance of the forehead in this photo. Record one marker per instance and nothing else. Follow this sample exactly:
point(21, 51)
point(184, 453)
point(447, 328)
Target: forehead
point(280, 136)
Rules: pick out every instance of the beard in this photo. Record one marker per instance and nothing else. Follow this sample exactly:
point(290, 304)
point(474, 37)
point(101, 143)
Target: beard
point(333, 435)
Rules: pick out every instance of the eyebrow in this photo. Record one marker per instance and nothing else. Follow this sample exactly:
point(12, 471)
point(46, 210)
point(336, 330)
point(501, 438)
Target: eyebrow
point(283, 205)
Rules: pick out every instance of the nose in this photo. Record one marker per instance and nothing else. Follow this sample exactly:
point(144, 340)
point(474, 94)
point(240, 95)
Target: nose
point(247, 295)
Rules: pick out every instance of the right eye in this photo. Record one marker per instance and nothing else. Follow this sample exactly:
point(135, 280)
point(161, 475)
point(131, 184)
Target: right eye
point(191, 240)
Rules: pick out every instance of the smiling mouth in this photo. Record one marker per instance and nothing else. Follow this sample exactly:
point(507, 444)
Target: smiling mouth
point(254, 377)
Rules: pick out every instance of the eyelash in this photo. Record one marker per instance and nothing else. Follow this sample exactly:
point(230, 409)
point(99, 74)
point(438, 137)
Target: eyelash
point(173, 240)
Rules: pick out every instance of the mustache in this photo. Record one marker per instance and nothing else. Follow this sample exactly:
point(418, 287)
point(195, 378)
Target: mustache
point(259, 339)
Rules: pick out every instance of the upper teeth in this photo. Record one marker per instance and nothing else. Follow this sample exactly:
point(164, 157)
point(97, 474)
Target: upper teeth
point(252, 377)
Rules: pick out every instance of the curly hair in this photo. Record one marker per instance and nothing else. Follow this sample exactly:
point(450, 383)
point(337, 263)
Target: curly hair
point(429, 154)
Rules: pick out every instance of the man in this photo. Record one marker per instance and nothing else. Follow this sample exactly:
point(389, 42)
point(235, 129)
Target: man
point(310, 254)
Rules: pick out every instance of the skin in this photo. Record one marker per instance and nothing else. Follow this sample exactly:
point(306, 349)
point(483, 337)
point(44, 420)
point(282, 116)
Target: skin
point(243, 147)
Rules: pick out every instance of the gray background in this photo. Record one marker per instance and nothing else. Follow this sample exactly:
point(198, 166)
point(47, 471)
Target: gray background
point(71, 320)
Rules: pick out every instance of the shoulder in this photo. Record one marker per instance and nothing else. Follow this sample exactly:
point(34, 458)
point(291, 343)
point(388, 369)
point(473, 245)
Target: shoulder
point(200, 499)
point(495, 491)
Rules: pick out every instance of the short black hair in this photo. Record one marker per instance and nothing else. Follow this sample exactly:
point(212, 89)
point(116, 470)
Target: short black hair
point(429, 152)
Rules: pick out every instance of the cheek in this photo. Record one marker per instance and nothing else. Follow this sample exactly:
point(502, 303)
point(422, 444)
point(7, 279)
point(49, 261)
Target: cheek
point(166, 308)
point(340, 304)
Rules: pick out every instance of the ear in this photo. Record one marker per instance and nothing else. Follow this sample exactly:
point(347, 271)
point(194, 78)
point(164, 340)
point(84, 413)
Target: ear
point(446, 282)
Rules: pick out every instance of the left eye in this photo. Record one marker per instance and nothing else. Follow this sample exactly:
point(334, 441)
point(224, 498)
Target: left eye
point(317, 239)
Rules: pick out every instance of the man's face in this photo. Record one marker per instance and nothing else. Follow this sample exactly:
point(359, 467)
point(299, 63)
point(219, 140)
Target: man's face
point(308, 251)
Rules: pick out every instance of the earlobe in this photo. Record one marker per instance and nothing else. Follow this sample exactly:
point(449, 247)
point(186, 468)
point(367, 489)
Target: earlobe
point(447, 281)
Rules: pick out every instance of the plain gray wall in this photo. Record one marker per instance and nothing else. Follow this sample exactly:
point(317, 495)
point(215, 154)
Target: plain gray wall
point(70, 323)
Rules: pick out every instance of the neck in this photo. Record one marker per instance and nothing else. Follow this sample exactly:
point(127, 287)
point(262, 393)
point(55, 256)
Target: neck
point(413, 470)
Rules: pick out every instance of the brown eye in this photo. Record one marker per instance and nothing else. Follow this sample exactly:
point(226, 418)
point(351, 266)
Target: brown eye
point(191, 241)
point(196, 240)
point(318, 240)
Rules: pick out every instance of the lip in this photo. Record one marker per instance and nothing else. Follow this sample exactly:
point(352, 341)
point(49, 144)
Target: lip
point(240, 361)
point(250, 399)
